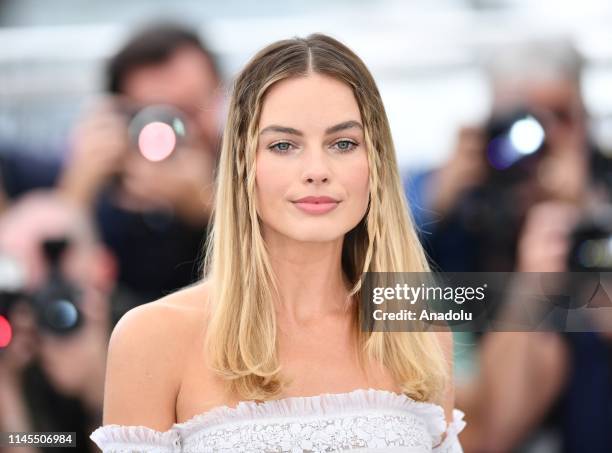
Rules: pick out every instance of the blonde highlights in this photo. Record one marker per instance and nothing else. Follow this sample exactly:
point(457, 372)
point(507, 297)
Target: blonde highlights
point(241, 337)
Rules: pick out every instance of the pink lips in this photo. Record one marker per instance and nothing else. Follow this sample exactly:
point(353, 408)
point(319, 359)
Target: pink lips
point(316, 205)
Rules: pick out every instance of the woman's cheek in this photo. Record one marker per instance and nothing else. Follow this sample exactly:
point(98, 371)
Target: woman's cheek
point(359, 180)
point(269, 187)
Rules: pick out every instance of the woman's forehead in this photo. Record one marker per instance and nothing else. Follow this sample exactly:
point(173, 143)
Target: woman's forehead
point(313, 102)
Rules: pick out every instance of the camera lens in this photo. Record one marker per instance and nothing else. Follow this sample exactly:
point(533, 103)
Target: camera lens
point(512, 139)
point(61, 315)
point(156, 130)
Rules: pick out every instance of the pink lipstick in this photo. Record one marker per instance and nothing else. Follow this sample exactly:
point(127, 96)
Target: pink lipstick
point(316, 205)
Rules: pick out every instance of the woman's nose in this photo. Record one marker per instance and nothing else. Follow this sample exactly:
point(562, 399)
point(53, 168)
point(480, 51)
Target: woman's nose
point(316, 168)
point(314, 179)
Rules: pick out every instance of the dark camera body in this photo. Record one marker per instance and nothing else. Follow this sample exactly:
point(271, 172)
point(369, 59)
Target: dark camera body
point(591, 240)
point(139, 116)
point(515, 141)
point(495, 211)
point(55, 304)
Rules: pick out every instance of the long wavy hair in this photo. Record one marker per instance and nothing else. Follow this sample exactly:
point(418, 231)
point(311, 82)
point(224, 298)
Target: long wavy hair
point(241, 336)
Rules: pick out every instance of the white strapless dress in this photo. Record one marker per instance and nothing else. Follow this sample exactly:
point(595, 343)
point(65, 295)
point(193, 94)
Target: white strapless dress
point(358, 421)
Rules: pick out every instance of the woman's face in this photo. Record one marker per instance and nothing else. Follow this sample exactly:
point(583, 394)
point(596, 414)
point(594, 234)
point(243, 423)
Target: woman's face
point(312, 168)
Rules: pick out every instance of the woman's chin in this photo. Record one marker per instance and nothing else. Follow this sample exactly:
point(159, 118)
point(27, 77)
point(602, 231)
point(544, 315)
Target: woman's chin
point(317, 237)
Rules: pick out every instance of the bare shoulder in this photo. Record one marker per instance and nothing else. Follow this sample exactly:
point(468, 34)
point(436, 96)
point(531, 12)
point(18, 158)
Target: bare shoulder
point(165, 323)
point(146, 356)
point(190, 301)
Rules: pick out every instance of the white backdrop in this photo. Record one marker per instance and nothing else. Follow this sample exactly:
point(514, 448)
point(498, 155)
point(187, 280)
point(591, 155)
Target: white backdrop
point(424, 54)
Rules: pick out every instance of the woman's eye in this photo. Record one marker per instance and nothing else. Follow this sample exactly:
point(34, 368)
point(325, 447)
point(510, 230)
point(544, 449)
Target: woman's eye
point(280, 147)
point(345, 145)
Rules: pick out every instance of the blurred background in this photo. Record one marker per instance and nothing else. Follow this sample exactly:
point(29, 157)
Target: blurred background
point(501, 113)
point(424, 55)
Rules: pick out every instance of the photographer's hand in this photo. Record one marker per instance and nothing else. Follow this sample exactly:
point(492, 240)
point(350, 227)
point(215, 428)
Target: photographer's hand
point(14, 412)
point(465, 169)
point(100, 143)
point(184, 181)
point(544, 242)
point(563, 171)
point(14, 416)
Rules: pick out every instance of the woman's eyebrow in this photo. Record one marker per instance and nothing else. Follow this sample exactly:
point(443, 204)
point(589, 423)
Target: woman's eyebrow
point(330, 130)
point(282, 129)
point(342, 126)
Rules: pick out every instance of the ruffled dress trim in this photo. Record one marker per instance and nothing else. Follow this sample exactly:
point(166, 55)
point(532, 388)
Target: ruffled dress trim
point(135, 438)
point(328, 404)
point(451, 440)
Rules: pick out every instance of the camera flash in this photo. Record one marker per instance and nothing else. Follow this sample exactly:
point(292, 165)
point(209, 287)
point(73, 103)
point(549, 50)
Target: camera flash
point(156, 141)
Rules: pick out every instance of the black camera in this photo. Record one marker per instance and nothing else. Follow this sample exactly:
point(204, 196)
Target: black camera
point(515, 140)
point(591, 240)
point(55, 304)
point(156, 130)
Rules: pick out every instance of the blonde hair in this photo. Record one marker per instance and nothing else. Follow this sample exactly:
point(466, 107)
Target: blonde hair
point(242, 331)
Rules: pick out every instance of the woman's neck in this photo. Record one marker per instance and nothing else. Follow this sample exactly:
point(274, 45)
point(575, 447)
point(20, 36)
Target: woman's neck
point(311, 282)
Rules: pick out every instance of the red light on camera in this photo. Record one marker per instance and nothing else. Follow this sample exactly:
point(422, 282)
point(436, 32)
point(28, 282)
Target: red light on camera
point(6, 332)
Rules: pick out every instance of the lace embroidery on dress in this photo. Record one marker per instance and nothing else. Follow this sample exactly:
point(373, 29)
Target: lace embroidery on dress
point(360, 419)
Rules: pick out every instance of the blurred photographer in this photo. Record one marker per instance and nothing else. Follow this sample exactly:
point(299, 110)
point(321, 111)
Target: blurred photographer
point(522, 192)
point(533, 148)
point(60, 300)
point(143, 157)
